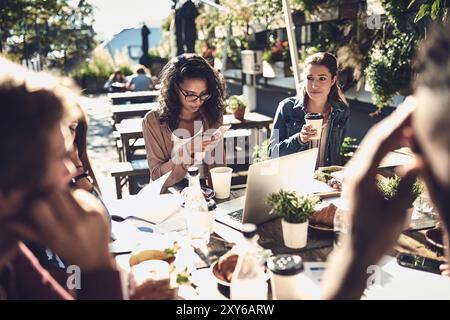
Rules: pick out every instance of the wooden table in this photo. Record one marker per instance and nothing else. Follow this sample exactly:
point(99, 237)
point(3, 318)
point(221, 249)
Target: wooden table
point(135, 110)
point(131, 129)
point(320, 245)
point(133, 96)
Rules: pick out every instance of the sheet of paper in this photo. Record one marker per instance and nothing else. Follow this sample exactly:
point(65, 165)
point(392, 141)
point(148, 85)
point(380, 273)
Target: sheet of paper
point(393, 159)
point(127, 237)
point(312, 186)
point(148, 204)
point(154, 187)
point(389, 281)
point(175, 223)
point(397, 282)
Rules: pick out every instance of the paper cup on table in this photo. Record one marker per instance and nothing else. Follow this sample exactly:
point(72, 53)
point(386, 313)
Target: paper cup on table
point(316, 121)
point(221, 180)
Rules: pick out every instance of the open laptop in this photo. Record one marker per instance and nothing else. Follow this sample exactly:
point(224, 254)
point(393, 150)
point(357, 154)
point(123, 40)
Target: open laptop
point(293, 172)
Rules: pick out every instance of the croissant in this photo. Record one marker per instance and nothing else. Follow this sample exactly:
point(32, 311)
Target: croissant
point(324, 216)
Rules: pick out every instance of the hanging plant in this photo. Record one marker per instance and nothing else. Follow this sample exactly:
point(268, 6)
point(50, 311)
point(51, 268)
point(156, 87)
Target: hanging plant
point(389, 71)
point(309, 6)
point(269, 12)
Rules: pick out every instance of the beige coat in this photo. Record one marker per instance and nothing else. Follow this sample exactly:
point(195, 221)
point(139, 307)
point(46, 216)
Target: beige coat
point(159, 145)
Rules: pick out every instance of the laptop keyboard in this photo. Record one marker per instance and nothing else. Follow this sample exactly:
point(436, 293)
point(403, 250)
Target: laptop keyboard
point(236, 215)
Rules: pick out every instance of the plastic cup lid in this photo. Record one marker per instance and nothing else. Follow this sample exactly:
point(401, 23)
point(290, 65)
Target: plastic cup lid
point(285, 264)
point(313, 116)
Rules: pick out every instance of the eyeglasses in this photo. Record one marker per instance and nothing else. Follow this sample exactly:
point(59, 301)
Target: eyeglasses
point(190, 97)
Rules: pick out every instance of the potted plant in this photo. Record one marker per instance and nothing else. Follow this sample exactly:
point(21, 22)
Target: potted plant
point(388, 188)
point(295, 210)
point(261, 152)
point(278, 58)
point(348, 149)
point(236, 105)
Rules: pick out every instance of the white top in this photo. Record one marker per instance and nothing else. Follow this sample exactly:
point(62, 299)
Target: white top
point(198, 156)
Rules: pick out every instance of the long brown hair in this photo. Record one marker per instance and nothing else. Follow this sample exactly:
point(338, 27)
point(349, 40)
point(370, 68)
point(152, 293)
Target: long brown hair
point(81, 143)
point(329, 61)
point(31, 105)
point(190, 66)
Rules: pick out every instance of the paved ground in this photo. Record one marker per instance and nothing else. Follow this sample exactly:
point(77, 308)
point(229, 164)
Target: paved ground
point(101, 146)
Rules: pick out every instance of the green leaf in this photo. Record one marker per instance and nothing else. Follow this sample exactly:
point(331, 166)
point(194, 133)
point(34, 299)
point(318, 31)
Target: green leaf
point(435, 8)
point(411, 4)
point(292, 207)
point(423, 11)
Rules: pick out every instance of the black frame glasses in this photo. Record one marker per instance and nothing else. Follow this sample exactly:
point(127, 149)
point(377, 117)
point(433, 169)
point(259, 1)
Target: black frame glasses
point(193, 97)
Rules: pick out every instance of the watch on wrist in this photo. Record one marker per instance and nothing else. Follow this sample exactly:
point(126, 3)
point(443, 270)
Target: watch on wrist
point(79, 177)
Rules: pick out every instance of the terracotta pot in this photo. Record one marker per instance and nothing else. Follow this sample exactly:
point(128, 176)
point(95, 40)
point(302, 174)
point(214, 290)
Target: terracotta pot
point(239, 114)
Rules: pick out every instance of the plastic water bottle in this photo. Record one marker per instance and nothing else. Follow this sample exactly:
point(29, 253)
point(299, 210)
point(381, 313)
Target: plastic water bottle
point(196, 209)
point(249, 280)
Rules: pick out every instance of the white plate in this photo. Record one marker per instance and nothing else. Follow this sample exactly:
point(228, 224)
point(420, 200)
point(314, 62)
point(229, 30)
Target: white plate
point(320, 227)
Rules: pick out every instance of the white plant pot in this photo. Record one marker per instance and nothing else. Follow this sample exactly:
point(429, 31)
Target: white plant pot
point(278, 68)
point(295, 235)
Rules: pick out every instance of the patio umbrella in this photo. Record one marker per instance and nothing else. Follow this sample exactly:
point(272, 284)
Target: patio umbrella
point(189, 12)
point(179, 30)
point(145, 60)
point(185, 29)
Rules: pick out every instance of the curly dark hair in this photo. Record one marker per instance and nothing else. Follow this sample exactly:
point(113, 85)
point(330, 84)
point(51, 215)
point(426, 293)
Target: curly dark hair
point(190, 66)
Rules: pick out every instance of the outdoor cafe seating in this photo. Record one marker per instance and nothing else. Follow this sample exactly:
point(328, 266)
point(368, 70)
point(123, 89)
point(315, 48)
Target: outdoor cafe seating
point(140, 223)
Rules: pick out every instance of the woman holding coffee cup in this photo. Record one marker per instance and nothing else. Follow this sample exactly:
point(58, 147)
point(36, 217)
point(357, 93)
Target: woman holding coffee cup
point(317, 118)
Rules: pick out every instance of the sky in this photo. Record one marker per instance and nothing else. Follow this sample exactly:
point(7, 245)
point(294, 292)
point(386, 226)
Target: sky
point(111, 16)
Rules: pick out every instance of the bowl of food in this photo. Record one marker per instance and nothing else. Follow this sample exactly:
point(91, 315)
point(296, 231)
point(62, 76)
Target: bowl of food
point(331, 175)
point(223, 268)
point(151, 280)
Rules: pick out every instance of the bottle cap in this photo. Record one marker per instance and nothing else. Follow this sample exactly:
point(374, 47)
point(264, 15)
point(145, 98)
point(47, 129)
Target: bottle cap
point(192, 171)
point(211, 205)
point(285, 264)
point(248, 230)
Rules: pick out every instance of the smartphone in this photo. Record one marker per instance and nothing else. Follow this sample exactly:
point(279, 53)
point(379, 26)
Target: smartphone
point(419, 263)
point(219, 133)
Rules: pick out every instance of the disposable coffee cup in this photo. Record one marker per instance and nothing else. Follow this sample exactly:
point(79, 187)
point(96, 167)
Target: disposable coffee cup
point(221, 180)
point(316, 121)
point(286, 276)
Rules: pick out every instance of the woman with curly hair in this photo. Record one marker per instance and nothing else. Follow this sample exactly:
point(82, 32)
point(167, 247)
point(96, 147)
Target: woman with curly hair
point(179, 134)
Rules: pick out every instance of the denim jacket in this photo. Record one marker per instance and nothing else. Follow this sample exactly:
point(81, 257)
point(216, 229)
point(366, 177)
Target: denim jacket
point(289, 120)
